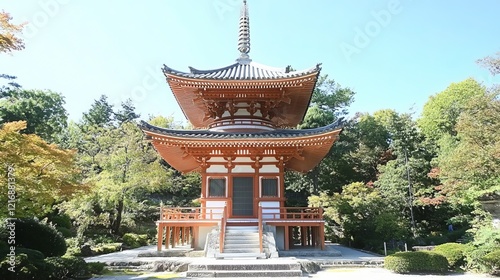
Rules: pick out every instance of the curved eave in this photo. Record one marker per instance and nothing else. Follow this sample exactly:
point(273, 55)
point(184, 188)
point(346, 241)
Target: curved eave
point(242, 72)
point(173, 145)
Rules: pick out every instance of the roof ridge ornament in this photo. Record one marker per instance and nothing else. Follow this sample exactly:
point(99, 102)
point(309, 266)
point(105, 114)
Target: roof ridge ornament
point(244, 35)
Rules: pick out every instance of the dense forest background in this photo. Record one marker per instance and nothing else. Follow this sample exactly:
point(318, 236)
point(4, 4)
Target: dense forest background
point(392, 177)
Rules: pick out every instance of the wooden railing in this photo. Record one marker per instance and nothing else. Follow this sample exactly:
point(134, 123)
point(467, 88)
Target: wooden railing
point(290, 213)
point(191, 213)
point(222, 230)
point(260, 228)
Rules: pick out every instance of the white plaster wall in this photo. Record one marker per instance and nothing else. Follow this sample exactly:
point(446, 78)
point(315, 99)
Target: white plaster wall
point(243, 159)
point(242, 112)
point(216, 159)
point(268, 168)
point(243, 169)
point(268, 159)
point(217, 169)
point(202, 237)
point(280, 238)
point(217, 213)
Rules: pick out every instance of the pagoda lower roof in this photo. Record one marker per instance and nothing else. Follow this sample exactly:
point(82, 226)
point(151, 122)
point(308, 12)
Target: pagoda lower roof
point(185, 149)
point(207, 134)
point(246, 70)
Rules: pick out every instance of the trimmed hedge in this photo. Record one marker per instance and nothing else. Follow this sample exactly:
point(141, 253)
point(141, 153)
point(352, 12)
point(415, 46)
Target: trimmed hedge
point(106, 248)
point(453, 252)
point(67, 267)
point(133, 240)
point(29, 265)
point(39, 236)
point(416, 262)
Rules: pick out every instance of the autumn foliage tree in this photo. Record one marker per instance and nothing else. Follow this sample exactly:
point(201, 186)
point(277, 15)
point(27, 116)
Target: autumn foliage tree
point(9, 34)
point(43, 173)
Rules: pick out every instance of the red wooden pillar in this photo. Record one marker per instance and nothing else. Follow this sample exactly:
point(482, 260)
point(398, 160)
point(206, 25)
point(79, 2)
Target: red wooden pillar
point(174, 237)
point(167, 238)
point(183, 236)
point(322, 236)
point(159, 241)
point(195, 233)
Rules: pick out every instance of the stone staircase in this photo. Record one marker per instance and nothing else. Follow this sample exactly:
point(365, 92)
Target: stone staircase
point(244, 268)
point(241, 242)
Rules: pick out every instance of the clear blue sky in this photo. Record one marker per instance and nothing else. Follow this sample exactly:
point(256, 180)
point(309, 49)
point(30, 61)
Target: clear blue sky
point(393, 54)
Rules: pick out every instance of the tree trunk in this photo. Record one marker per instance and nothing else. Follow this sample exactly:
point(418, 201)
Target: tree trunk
point(115, 227)
point(315, 173)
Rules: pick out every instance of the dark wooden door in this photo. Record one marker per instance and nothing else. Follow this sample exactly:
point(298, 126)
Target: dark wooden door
point(242, 196)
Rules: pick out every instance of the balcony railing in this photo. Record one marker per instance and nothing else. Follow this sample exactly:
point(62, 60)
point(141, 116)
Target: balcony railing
point(302, 214)
point(191, 213)
point(291, 213)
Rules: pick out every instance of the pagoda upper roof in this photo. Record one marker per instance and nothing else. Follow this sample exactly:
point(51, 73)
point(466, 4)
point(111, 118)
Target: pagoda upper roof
point(242, 70)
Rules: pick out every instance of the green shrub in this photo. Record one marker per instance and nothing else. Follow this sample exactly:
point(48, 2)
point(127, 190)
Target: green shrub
point(33, 255)
point(24, 268)
point(416, 262)
point(453, 252)
point(67, 267)
point(100, 249)
point(486, 240)
point(60, 220)
point(66, 233)
point(492, 261)
point(4, 249)
point(39, 236)
point(135, 240)
point(96, 267)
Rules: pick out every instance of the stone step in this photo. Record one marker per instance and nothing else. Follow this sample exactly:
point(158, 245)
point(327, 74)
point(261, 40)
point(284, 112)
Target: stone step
point(241, 236)
point(242, 241)
point(242, 250)
point(241, 233)
point(235, 231)
point(240, 256)
point(242, 228)
point(259, 265)
point(249, 273)
point(241, 246)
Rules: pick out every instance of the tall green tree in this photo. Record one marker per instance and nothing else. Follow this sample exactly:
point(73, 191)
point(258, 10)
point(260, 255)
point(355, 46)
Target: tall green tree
point(43, 111)
point(404, 181)
point(329, 103)
point(126, 113)
point(100, 114)
point(470, 164)
point(128, 168)
point(441, 112)
point(362, 215)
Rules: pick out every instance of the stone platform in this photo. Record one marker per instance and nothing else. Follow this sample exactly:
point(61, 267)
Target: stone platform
point(184, 259)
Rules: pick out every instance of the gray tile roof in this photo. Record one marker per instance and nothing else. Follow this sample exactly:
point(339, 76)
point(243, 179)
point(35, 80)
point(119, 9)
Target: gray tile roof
point(242, 70)
point(206, 134)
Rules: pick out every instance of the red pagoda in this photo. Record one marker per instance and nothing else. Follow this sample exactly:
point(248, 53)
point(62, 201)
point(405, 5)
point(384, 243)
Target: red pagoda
point(243, 142)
